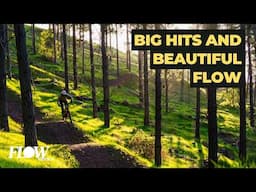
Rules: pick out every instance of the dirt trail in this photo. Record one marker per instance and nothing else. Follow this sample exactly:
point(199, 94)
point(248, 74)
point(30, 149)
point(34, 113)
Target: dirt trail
point(59, 133)
point(89, 155)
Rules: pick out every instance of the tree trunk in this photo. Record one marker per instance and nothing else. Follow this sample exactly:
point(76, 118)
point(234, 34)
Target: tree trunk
point(80, 35)
point(68, 35)
point(25, 86)
point(74, 57)
point(117, 55)
point(127, 47)
point(83, 51)
point(212, 127)
point(198, 107)
point(141, 97)
point(58, 34)
point(182, 86)
point(254, 76)
point(158, 117)
point(3, 98)
point(106, 41)
point(188, 86)
point(254, 95)
point(65, 57)
point(62, 43)
point(146, 96)
point(54, 44)
point(105, 77)
point(252, 123)
point(94, 103)
point(8, 63)
point(128, 52)
point(166, 91)
point(158, 114)
point(247, 85)
point(212, 120)
point(110, 46)
point(242, 138)
point(33, 39)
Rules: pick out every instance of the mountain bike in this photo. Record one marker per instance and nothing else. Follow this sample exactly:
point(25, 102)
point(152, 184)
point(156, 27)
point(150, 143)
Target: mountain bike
point(67, 115)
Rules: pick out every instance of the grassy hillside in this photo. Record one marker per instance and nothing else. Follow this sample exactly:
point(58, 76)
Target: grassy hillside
point(58, 156)
point(126, 130)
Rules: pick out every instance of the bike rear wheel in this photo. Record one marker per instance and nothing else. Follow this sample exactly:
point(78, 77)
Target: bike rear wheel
point(69, 115)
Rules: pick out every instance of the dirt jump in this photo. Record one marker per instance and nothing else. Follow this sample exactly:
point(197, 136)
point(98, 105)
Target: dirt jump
point(88, 154)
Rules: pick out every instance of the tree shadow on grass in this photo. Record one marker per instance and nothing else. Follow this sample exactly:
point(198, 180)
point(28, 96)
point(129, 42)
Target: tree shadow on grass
point(103, 129)
point(15, 109)
point(200, 153)
point(177, 153)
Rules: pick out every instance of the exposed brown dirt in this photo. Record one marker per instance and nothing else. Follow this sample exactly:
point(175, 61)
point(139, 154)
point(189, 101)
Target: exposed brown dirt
point(89, 155)
point(59, 133)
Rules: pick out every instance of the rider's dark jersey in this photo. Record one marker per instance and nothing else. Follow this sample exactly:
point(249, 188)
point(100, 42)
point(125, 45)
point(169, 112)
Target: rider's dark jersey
point(63, 98)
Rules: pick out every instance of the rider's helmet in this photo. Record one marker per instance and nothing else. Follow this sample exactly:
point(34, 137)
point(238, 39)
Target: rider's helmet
point(63, 92)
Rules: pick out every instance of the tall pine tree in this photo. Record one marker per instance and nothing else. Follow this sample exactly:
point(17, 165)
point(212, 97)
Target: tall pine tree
point(105, 76)
point(94, 103)
point(3, 98)
point(28, 113)
point(158, 114)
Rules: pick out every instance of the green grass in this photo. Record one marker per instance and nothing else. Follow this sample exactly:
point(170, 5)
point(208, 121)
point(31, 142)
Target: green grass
point(179, 149)
point(58, 156)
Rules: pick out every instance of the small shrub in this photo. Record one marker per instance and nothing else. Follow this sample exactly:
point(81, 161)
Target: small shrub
point(142, 144)
point(63, 151)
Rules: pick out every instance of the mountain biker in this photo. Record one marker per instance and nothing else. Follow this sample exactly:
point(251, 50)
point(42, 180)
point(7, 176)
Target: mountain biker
point(63, 102)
